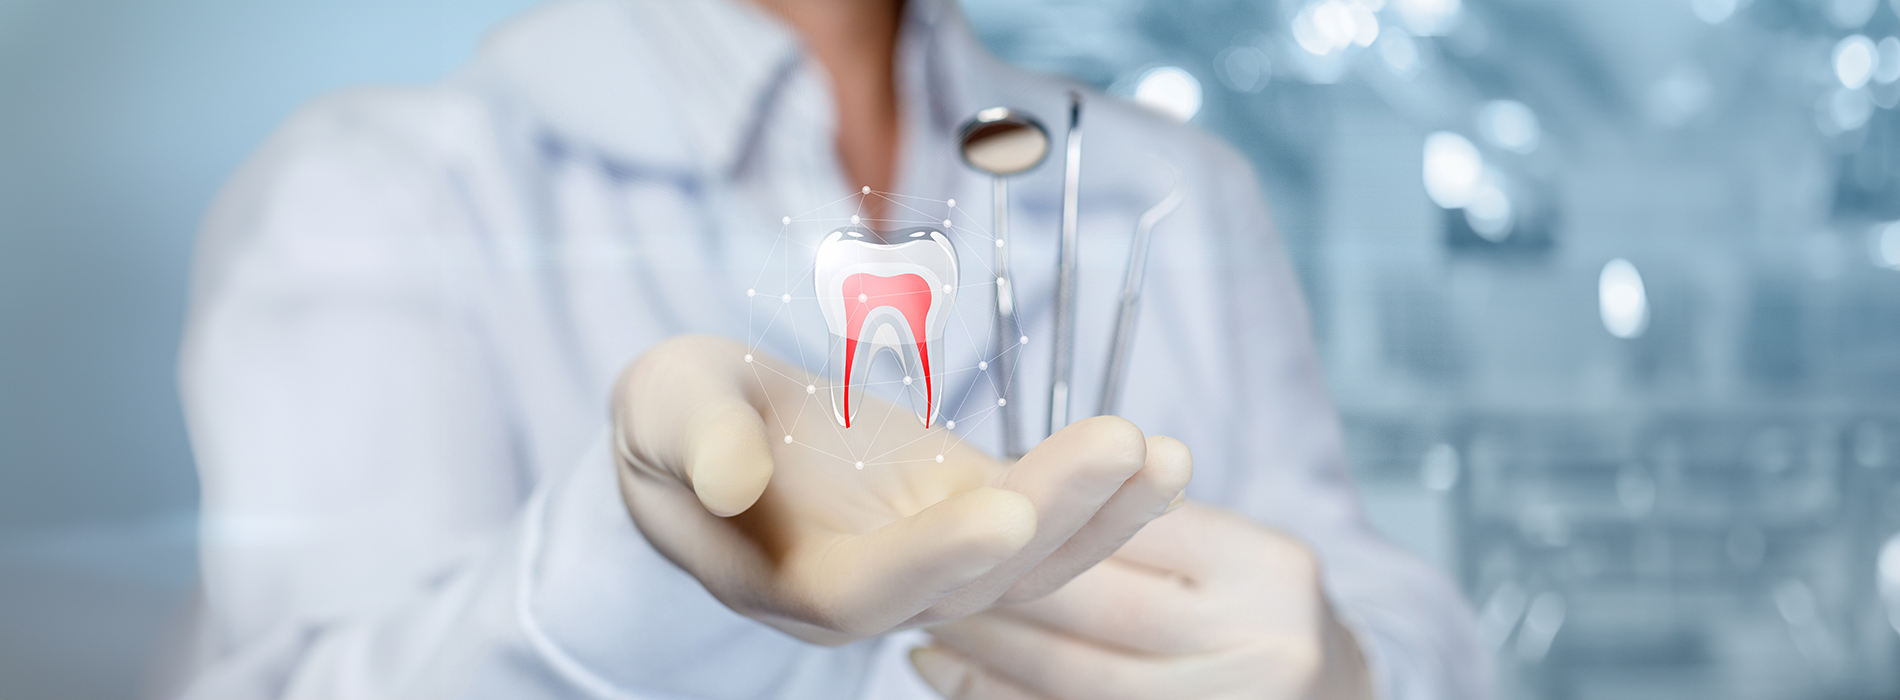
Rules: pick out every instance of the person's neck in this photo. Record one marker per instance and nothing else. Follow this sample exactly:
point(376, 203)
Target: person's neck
point(856, 42)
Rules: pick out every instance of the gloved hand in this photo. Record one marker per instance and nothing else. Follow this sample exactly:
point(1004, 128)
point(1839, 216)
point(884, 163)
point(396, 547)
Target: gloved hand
point(796, 536)
point(1201, 604)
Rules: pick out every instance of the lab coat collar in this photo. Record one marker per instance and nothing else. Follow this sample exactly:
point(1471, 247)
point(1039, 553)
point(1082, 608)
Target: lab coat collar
point(589, 71)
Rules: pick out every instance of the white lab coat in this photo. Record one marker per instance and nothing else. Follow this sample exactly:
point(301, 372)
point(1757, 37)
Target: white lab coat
point(408, 308)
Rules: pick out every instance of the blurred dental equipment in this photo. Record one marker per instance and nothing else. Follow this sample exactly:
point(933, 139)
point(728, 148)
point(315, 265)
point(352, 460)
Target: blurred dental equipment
point(1002, 142)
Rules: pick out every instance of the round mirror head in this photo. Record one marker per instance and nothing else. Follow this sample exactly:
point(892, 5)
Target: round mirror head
point(1002, 141)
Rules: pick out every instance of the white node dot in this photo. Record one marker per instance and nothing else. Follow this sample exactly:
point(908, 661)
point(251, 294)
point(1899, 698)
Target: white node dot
point(867, 189)
point(947, 289)
point(947, 224)
point(1000, 280)
point(1002, 402)
point(786, 220)
point(906, 380)
point(752, 292)
point(748, 357)
point(860, 465)
point(952, 203)
point(863, 297)
point(811, 389)
point(788, 439)
point(999, 242)
point(855, 219)
point(951, 425)
point(1024, 340)
point(983, 365)
point(787, 298)
point(940, 459)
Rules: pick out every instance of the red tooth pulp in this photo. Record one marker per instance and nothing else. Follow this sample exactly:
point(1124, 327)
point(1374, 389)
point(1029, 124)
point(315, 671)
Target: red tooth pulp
point(910, 295)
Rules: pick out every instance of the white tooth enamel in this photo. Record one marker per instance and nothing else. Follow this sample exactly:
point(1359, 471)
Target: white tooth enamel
point(847, 253)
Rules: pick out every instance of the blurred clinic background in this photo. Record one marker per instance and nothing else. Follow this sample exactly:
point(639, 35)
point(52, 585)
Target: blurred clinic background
point(1608, 292)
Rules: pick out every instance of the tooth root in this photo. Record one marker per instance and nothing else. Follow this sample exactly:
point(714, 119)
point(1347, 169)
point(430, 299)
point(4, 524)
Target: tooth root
point(878, 298)
point(856, 359)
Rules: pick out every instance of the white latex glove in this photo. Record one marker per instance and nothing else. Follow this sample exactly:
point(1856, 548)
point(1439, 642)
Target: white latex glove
point(1201, 604)
point(796, 537)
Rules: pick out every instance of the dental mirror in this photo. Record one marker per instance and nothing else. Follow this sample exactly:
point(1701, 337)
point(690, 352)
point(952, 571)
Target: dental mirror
point(1002, 142)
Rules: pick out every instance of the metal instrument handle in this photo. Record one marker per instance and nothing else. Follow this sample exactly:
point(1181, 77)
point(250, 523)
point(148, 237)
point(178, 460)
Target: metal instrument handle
point(1062, 366)
point(1117, 371)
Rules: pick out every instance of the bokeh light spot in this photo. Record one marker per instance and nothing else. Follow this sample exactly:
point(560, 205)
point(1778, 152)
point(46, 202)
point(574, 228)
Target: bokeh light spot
point(1622, 300)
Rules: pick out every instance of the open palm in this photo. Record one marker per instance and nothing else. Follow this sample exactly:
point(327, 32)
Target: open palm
point(796, 535)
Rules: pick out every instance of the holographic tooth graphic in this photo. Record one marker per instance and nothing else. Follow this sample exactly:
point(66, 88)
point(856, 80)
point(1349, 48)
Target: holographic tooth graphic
point(886, 296)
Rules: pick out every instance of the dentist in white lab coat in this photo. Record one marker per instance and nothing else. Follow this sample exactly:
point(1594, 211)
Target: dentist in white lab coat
point(482, 409)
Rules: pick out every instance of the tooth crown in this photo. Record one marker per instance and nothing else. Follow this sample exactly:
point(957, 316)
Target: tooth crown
point(886, 296)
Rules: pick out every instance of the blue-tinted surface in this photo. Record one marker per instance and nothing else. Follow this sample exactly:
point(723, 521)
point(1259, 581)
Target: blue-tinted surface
point(1693, 511)
point(1680, 492)
point(118, 121)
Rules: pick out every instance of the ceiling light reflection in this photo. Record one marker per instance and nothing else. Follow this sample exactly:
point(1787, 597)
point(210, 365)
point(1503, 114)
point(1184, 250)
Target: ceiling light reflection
point(1890, 565)
point(1887, 69)
point(1453, 168)
point(1854, 60)
point(1621, 300)
point(1510, 125)
point(1489, 213)
point(1850, 14)
point(1335, 23)
point(1326, 26)
point(1427, 17)
point(1365, 25)
point(1846, 109)
point(1883, 245)
point(1890, 579)
point(1400, 52)
point(1171, 91)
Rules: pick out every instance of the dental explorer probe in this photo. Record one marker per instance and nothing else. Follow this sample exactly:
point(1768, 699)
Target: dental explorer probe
point(1002, 142)
point(1062, 366)
point(1131, 299)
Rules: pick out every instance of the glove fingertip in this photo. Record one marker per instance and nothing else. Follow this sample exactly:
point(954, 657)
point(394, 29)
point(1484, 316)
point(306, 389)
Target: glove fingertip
point(1170, 466)
point(729, 481)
